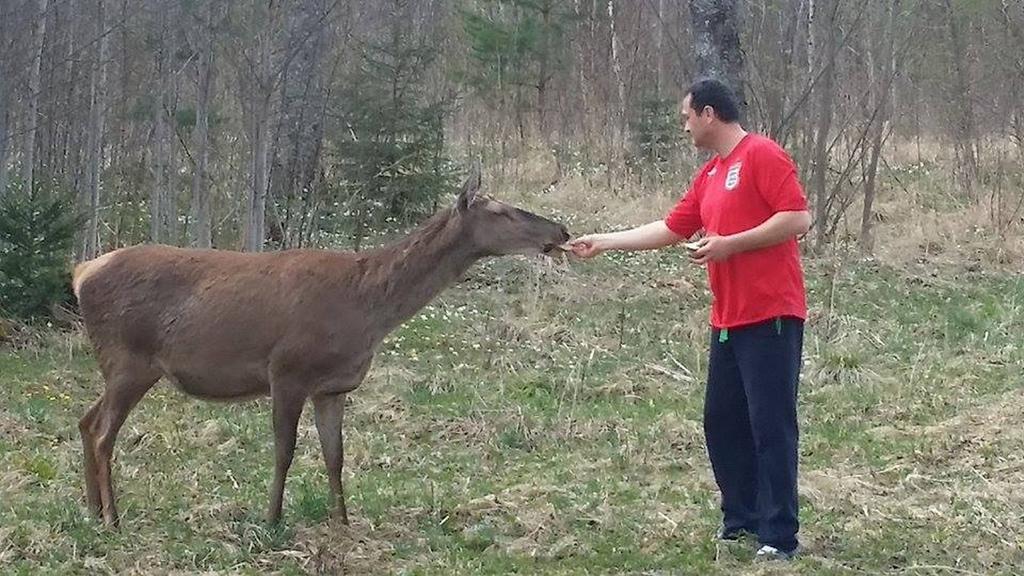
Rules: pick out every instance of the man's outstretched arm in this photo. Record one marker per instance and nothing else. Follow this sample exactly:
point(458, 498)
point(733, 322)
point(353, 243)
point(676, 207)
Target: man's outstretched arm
point(646, 237)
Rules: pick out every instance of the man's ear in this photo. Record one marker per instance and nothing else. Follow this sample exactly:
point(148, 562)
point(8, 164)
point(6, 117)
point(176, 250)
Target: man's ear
point(469, 189)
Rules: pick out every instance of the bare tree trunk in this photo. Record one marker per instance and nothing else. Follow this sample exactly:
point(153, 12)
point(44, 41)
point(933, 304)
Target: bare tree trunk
point(777, 94)
point(659, 73)
point(581, 79)
point(882, 94)
point(616, 122)
point(259, 137)
point(825, 32)
point(965, 137)
point(163, 201)
point(161, 136)
point(716, 25)
point(28, 158)
point(544, 77)
point(1015, 31)
point(91, 192)
point(4, 113)
point(201, 233)
point(298, 135)
point(620, 82)
point(806, 133)
point(71, 161)
point(543, 74)
point(255, 230)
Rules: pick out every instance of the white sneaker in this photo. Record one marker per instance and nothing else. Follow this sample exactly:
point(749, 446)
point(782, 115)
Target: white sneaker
point(766, 553)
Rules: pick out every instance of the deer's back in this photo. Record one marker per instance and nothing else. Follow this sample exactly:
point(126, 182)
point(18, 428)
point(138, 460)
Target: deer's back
point(198, 314)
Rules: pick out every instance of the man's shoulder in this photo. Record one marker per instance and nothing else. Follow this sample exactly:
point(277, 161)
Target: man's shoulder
point(763, 147)
point(761, 141)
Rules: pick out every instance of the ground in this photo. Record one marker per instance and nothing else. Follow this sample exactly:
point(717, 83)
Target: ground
point(545, 418)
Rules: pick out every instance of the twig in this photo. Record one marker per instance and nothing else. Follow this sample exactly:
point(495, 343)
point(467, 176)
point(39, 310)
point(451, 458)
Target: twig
point(919, 567)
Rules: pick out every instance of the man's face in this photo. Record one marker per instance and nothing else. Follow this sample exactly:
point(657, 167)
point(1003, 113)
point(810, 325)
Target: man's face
point(696, 124)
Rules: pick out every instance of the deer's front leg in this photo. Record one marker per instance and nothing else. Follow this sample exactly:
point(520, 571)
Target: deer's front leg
point(287, 410)
point(330, 410)
point(329, 402)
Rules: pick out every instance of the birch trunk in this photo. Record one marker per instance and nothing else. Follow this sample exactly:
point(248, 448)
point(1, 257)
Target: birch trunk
point(97, 90)
point(28, 157)
point(201, 233)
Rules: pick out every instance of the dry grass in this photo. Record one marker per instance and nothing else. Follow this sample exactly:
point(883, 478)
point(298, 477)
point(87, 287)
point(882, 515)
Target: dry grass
point(545, 418)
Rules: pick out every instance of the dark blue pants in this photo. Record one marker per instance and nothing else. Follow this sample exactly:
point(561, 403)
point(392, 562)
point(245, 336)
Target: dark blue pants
point(751, 427)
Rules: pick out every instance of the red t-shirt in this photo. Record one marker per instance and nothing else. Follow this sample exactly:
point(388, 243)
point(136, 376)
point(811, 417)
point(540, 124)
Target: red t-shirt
point(734, 194)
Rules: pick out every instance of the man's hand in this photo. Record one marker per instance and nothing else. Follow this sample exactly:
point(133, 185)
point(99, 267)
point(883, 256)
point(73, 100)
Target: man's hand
point(587, 246)
point(712, 249)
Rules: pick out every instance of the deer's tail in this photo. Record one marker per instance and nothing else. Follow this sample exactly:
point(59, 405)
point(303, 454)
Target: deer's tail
point(85, 270)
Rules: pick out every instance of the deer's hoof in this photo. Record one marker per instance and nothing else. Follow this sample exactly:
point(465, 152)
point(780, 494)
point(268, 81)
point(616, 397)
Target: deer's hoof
point(341, 514)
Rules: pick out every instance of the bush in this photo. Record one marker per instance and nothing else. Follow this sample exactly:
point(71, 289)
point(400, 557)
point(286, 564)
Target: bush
point(389, 143)
point(37, 234)
point(655, 131)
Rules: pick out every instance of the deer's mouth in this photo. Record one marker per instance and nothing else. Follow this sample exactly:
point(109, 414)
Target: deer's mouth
point(554, 247)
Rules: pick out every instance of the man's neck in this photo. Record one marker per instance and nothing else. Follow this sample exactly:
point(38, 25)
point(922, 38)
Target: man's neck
point(729, 138)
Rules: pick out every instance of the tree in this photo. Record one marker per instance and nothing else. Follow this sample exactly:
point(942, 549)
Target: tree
point(89, 194)
point(37, 232)
point(299, 134)
point(162, 202)
point(882, 85)
point(716, 26)
point(92, 98)
point(200, 232)
point(5, 113)
point(389, 141)
point(965, 131)
point(822, 20)
point(258, 30)
point(32, 115)
point(516, 46)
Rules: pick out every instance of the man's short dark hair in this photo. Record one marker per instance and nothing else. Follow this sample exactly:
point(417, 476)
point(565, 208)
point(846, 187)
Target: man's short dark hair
point(714, 93)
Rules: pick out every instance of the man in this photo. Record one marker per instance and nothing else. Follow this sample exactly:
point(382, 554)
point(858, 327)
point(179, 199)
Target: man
point(748, 201)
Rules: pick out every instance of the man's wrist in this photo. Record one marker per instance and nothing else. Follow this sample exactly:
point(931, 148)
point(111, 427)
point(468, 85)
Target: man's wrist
point(733, 243)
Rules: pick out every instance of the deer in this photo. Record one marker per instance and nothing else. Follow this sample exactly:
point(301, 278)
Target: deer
point(294, 325)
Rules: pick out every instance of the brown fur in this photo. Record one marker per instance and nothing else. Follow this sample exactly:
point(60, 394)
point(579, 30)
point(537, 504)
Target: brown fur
point(296, 324)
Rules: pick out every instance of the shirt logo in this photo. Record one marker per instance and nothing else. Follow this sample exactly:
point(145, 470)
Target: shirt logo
point(732, 177)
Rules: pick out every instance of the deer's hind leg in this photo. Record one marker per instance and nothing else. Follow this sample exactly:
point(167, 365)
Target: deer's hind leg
point(128, 379)
point(92, 488)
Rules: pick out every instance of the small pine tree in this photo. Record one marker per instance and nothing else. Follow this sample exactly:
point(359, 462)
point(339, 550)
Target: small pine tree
point(37, 234)
point(655, 131)
point(515, 46)
point(389, 143)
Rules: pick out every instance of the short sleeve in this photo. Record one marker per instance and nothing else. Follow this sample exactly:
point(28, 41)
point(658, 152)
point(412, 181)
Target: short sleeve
point(777, 181)
point(684, 219)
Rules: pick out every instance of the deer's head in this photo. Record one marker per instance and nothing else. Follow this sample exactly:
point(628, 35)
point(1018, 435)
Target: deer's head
point(495, 228)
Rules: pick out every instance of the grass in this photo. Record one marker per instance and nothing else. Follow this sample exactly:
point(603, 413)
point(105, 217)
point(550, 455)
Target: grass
point(545, 419)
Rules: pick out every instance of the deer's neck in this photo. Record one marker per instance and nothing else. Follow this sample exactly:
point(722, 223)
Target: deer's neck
point(406, 276)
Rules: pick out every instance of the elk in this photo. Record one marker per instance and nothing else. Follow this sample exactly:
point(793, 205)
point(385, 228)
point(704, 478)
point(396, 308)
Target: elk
point(294, 325)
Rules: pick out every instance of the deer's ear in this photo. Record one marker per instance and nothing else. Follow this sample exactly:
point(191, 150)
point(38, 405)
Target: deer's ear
point(469, 189)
